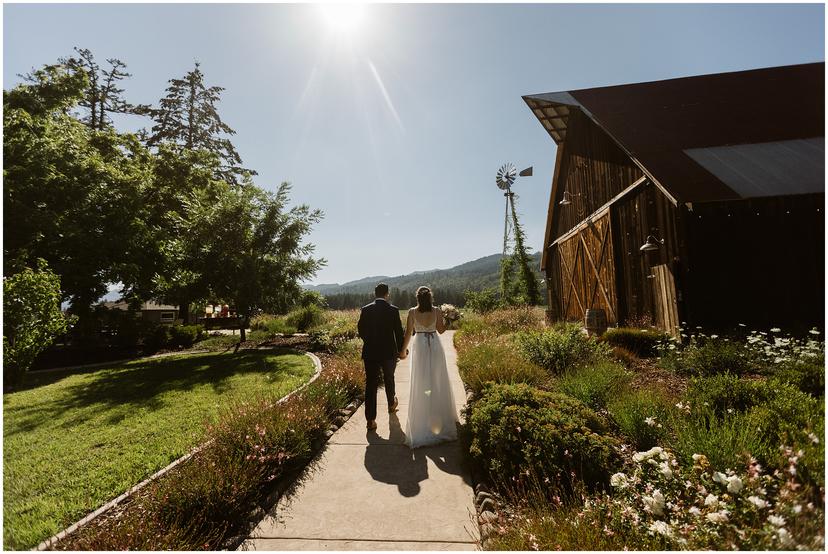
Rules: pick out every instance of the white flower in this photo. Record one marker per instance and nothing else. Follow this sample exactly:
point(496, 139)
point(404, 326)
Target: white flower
point(661, 528)
point(734, 484)
point(711, 500)
point(641, 456)
point(775, 329)
point(720, 478)
point(784, 537)
point(717, 517)
point(777, 521)
point(714, 336)
point(619, 481)
point(665, 470)
point(650, 421)
point(758, 502)
point(695, 511)
point(655, 503)
point(814, 332)
point(814, 438)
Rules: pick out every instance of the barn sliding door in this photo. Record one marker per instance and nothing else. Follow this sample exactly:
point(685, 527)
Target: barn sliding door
point(587, 271)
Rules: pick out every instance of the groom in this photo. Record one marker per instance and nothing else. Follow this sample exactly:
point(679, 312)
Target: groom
point(380, 328)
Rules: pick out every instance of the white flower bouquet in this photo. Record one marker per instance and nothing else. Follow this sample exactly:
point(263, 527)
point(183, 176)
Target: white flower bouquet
point(450, 314)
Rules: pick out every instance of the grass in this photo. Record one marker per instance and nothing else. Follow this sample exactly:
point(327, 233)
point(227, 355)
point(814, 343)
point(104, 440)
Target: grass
point(74, 441)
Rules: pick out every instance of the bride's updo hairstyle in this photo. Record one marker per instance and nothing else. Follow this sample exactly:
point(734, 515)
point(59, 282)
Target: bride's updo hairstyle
point(424, 299)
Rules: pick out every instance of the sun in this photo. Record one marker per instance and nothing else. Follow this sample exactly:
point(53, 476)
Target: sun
point(343, 19)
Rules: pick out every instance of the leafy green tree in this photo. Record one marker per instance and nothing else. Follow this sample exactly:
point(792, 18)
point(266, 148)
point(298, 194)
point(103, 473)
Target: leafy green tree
point(483, 301)
point(71, 194)
point(188, 117)
point(254, 253)
point(31, 318)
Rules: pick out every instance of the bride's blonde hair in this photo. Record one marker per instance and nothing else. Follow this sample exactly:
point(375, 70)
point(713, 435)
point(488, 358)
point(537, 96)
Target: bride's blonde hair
point(424, 299)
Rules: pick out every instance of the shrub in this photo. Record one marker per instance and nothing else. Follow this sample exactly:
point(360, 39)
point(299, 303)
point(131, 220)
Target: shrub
point(727, 441)
point(185, 336)
point(641, 416)
point(305, 318)
point(320, 341)
point(641, 342)
point(594, 384)
point(726, 393)
point(560, 351)
point(312, 298)
point(794, 418)
point(712, 357)
point(808, 375)
point(31, 318)
point(497, 363)
point(272, 325)
point(510, 320)
point(482, 302)
point(517, 429)
point(158, 338)
point(624, 356)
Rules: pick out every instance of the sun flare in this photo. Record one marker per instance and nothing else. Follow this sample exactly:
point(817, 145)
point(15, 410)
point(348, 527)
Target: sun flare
point(344, 19)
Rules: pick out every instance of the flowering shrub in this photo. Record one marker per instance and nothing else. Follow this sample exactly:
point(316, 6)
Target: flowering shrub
point(726, 393)
point(703, 508)
point(519, 430)
point(643, 343)
point(709, 356)
point(510, 320)
point(559, 351)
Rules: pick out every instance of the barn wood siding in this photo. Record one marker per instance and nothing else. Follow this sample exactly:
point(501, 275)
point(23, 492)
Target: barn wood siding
point(644, 212)
point(592, 166)
point(765, 270)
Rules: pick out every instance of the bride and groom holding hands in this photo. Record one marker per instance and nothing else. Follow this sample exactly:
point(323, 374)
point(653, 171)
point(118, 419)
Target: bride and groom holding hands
point(432, 415)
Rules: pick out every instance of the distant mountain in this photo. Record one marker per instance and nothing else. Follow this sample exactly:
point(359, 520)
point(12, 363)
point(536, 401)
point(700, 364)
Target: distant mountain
point(474, 275)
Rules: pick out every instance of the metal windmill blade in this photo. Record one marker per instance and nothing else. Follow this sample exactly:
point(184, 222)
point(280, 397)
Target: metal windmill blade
point(506, 176)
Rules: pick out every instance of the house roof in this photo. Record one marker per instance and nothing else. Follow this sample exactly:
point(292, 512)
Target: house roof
point(146, 306)
point(711, 137)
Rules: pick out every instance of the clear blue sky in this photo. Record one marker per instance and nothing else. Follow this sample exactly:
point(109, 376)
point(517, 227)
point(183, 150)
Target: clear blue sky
point(397, 128)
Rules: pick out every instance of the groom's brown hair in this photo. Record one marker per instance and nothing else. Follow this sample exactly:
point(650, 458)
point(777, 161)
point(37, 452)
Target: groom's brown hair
point(381, 290)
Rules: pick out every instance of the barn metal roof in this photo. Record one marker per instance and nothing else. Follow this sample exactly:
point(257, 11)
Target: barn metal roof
point(711, 137)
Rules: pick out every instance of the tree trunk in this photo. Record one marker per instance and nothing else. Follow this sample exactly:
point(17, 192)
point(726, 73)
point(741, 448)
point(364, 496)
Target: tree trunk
point(184, 311)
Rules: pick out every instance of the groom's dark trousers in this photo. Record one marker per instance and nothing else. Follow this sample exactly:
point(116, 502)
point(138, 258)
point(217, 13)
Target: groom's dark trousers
point(380, 328)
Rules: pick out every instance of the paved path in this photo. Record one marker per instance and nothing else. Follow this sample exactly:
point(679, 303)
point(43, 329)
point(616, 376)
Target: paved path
point(371, 492)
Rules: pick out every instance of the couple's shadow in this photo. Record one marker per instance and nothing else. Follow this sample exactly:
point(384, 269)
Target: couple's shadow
point(391, 461)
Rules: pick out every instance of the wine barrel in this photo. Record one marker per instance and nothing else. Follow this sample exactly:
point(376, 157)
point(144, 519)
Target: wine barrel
point(595, 322)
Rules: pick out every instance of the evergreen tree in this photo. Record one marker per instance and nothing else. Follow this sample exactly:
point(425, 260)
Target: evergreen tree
point(103, 94)
point(187, 116)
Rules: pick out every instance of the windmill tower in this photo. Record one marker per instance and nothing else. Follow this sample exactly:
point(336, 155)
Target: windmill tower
point(506, 176)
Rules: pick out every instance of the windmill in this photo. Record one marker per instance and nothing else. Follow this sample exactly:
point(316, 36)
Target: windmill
point(506, 176)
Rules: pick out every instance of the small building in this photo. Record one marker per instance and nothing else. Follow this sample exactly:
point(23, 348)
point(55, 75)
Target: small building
point(721, 177)
point(149, 311)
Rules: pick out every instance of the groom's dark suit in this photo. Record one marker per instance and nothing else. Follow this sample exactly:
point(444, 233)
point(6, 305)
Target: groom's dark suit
point(380, 328)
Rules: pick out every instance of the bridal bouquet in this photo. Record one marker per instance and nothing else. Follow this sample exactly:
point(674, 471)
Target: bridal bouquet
point(450, 314)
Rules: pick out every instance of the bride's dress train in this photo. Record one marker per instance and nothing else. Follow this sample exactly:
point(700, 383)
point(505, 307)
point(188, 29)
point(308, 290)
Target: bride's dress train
point(432, 416)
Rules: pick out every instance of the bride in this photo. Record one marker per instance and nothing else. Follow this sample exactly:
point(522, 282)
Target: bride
point(432, 415)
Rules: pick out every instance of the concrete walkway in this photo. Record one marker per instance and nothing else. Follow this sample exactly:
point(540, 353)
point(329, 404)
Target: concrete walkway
point(369, 491)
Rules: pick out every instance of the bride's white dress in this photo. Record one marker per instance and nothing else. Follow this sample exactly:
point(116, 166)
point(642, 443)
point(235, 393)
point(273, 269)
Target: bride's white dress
point(432, 415)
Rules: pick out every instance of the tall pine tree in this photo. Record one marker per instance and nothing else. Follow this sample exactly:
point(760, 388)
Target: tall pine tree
point(187, 116)
point(103, 94)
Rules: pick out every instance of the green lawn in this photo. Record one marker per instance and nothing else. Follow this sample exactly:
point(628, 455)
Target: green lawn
point(73, 441)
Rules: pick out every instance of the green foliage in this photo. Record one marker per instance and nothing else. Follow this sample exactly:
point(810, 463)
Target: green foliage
point(305, 318)
point(483, 301)
point(173, 336)
point(726, 393)
point(641, 416)
point(510, 320)
point(559, 352)
point(272, 325)
point(517, 428)
point(31, 318)
point(711, 357)
point(312, 298)
point(594, 384)
point(497, 362)
point(808, 375)
point(641, 342)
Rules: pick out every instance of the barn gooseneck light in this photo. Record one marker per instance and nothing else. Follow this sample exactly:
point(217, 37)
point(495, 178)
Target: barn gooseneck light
point(651, 244)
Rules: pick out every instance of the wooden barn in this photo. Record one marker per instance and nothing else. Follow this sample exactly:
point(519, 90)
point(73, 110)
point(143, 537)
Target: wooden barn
point(695, 200)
